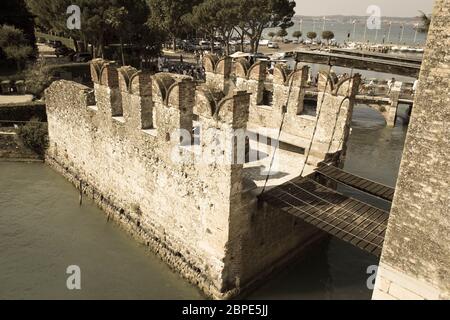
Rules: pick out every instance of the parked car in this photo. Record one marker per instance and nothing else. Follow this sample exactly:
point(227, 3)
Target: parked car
point(273, 45)
point(55, 43)
point(82, 57)
point(295, 41)
point(286, 40)
point(63, 51)
point(204, 45)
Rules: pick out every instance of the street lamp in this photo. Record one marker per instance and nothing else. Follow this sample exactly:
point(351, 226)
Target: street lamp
point(389, 32)
point(365, 32)
point(416, 26)
point(323, 27)
point(402, 33)
point(354, 30)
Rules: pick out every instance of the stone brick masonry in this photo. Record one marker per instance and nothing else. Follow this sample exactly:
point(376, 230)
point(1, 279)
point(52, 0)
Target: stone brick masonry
point(117, 144)
point(415, 262)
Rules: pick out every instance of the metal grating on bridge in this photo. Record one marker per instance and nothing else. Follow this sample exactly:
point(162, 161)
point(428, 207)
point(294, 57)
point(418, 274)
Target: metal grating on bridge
point(348, 219)
point(362, 184)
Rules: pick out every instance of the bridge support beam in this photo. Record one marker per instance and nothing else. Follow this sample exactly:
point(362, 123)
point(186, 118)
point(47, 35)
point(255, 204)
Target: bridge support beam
point(391, 112)
point(416, 253)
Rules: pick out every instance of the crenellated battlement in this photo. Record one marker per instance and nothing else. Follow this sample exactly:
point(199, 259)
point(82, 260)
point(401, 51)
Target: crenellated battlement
point(329, 83)
point(140, 106)
point(284, 91)
point(124, 140)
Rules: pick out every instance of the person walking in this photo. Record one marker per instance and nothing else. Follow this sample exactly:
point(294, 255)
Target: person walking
point(391, 84)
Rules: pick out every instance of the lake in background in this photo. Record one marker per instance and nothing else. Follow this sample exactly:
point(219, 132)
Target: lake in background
point(341, 31)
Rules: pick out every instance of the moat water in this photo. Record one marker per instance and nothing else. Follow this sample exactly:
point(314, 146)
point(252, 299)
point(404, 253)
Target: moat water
point(43, 230)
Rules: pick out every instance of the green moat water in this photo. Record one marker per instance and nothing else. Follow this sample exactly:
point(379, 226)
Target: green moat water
point(43, 230)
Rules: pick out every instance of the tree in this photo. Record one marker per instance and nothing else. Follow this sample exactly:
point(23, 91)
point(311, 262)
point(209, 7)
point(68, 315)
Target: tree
point(34, 135)
point(297, 34)
point(257, 15)
point(115, 18)
point(327, 35)
point(215, 17)
point(38, 77)
point(271, 35)
point(51, 16)
point(311, 35)
point(15, 13)
point(426, 21)
point(282, 33)
point(14, 45)
point(170, 16)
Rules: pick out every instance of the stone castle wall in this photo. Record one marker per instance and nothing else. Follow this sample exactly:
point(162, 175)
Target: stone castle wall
point(117, 144)
point(335, 101)
point(416, 254)
point(118, 139)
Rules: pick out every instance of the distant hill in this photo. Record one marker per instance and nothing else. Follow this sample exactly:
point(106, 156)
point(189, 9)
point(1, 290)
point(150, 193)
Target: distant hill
point(350, 19)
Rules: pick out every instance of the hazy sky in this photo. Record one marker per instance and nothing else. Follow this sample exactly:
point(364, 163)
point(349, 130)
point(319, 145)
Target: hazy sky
point(396, 8)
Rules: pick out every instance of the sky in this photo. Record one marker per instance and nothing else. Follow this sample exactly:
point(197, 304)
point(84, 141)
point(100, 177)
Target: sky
point(389, 8)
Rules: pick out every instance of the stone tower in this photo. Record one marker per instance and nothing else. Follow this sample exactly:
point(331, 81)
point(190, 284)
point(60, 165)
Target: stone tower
point(416, 254)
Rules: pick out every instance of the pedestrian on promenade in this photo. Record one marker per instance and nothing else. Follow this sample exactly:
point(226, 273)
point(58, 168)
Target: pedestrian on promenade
point(391, 84)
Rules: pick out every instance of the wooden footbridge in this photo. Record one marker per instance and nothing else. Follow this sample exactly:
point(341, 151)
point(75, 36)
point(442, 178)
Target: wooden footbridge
point(348, 219)
point(381, 63)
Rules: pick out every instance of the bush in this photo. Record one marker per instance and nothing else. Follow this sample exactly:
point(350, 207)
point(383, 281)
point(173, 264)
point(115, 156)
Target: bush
point(35, 136)
point(37, 78)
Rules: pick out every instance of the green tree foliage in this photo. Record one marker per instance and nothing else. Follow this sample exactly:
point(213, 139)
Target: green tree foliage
point(216, 17)
point(15, 13)
point(271, 35)
point(282, 33)
point(169, 16)
point(148, 22)
point(257, 15)
point(311, 35)
point(297, 34)
point(327, 35)
point(99, 20)
point(35, 136)
point(14, 45)
point(38, 77)
point(116, 19)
